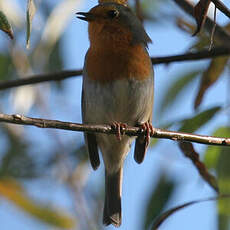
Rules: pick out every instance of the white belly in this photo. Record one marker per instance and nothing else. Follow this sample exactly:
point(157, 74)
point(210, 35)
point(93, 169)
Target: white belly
point(127, 101)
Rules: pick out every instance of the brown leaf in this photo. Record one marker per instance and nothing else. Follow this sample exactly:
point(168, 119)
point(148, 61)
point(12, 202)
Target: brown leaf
point(168, 213)
point(13, 191)
point(210, 76)
point(200, 14)
point(189, 151)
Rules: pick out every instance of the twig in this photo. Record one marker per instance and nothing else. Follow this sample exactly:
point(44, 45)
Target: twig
point(221, 51)
point(219, 5)
point(108, 129)
point(56, 76)
point(204, 54)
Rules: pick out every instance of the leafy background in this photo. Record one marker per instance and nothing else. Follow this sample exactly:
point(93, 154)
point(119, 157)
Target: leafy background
point(45, 178)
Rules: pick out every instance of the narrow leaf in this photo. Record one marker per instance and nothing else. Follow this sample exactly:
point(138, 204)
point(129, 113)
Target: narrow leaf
point(200, 14)
point(189, 151)
point(218, 158)
point(31, 9)
point(194, 123)
point(212, 153)
point(210, 76)
point(5, 25)
point(14, 192)
point(176, 88)
point(223, 172)
point(168, 213)
point(158, 199)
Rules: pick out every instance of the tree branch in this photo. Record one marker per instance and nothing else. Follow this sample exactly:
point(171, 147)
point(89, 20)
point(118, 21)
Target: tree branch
point(108, 129)
point(219, 5)
point(191, 56)
point(56, 76)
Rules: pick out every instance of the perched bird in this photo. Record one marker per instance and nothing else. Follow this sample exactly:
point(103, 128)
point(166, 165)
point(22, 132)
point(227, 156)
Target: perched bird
point(118, 90)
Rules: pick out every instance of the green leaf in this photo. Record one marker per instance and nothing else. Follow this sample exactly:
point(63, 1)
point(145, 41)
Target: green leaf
point(6, 67)
point(194, 123)
point(210, 76)
point(159, 198)
point(31, 9)
point(176, 87)
point(212, 153)
point(202, 43)
point(55, 59)
point(223, 172)
point(5, 25)
point(14, 192)
point(218, 158)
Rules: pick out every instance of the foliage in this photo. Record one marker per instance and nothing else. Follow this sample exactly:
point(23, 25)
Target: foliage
point(29, 155)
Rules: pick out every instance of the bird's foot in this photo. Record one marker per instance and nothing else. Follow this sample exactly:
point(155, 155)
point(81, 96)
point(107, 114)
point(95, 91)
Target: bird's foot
point(119, 128)
point(148, 128)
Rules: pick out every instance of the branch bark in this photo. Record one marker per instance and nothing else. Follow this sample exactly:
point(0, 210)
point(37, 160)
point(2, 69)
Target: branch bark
point(219, 5)
point(57, 76)
point(108, 129)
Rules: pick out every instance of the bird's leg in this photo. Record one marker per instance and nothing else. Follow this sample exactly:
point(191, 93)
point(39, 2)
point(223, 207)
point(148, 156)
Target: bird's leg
point(119, 128)
point(142, 141)
point(148, 128)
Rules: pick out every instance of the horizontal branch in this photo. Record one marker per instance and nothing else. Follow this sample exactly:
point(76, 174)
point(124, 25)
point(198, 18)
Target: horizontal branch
point(191, 56)
point(108, 129)
point(56, 76)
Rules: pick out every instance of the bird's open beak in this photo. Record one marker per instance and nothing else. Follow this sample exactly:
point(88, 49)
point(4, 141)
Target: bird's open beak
point(86, 16)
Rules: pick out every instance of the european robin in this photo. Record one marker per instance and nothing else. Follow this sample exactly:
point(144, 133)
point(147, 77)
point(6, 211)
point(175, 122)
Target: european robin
point(117, 89)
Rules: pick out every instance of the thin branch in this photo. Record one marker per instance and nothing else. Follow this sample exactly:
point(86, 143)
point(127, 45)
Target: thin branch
point(204, 54)
point(219, 5)
point(216, 52)
point(222, 35)
point(108, 129)
point(56, 76)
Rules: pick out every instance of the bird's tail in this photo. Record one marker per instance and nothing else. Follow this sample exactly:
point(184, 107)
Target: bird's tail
point(112, 206)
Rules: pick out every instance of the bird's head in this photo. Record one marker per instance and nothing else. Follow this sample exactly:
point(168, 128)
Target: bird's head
point(113, 23)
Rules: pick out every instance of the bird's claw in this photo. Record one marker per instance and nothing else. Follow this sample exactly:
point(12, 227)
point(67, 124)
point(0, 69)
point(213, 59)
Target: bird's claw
point(119, 128)
point(148, 129)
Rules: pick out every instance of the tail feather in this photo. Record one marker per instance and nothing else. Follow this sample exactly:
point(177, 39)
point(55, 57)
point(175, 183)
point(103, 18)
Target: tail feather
point(112, 206)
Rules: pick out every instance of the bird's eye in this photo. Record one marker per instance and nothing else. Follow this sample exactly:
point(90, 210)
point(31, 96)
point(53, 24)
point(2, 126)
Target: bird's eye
point(113, 13)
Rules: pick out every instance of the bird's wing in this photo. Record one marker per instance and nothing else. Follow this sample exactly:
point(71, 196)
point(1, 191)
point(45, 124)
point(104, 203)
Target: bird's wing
point(90, 140)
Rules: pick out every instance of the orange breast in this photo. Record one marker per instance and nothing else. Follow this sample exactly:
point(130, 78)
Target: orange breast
point(106, 65)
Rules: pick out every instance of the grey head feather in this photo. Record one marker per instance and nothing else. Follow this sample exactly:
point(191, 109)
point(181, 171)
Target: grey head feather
point(131, 21)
